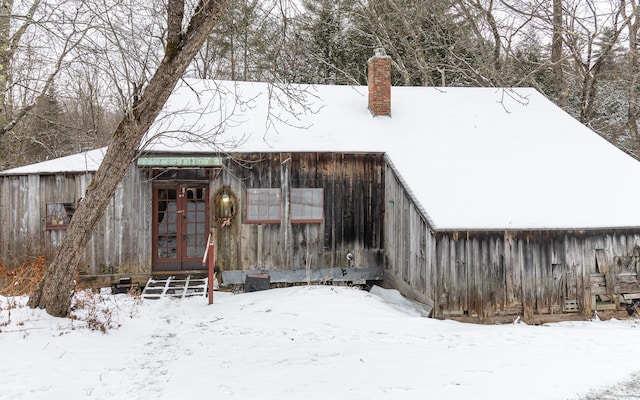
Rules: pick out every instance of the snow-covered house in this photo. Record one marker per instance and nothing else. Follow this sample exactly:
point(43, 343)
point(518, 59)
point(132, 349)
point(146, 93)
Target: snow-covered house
point(483, 203)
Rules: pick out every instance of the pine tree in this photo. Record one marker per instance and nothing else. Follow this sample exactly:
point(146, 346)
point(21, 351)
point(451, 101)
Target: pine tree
point(332, 51)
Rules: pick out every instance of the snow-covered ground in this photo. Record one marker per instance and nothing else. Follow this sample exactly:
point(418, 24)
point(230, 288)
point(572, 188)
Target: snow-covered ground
point(309, 342)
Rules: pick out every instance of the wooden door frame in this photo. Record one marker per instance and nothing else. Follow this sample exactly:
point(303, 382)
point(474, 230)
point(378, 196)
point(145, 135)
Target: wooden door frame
point(181, 263)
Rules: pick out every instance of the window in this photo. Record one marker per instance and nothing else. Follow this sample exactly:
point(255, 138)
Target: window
point(307, 205)
point(263, 206)
point(181, 174)
point(59, 215)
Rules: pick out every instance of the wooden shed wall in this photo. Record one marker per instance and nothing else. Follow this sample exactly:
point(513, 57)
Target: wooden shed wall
point(120, 243)
point(353, 212)
point(20, 225)
point(492, 274)
point(409, 242)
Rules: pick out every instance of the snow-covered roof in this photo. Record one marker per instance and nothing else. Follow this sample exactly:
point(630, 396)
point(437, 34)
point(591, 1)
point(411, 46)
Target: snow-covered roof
point(87, 161)
point(474, 158)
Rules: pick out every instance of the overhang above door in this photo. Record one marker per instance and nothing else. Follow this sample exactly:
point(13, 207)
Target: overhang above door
point(193, 161)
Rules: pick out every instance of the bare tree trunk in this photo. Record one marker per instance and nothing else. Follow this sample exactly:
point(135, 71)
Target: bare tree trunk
point(56, 289)
point(5, 36)
point(560, 84)
point(491, 70)
point(9, 42)
point(592, 74)
point(633, 111)
point(497, 44)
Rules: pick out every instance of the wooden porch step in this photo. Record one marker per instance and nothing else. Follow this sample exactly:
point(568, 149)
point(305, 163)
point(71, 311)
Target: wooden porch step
point(176, 287)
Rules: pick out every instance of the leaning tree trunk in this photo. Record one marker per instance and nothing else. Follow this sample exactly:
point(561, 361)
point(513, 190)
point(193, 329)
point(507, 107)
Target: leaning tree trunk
point(56, 289)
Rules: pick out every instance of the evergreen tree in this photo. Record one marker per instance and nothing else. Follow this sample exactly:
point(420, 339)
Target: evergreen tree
point(529, 64)
point(40, 135)
point(332, 51)
point(46, 129)
point(428, 42)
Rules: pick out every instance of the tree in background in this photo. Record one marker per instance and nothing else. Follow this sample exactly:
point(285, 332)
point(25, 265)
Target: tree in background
point(36, 41)
point(529, 64)
point(560, 89)
point(243, 44)
point(330, 47)
point(89, 111)
point(630, 138)
point(40, 135)
point(43, 127)
point(576, 52)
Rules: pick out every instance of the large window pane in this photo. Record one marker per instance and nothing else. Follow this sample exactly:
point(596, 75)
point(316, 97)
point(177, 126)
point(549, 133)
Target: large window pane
point(263, 206)
point(307, 205)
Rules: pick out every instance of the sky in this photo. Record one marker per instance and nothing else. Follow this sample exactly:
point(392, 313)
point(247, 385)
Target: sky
point(305, 342)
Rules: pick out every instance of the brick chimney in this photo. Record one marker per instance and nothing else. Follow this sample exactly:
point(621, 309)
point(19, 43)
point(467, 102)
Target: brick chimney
point(379, 81)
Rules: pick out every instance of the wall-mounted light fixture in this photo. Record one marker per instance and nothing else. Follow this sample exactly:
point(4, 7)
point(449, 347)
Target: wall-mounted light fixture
point(225, 206)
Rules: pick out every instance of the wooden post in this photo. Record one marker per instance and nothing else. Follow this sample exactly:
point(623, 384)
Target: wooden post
point(209, 256)
point(212, 259)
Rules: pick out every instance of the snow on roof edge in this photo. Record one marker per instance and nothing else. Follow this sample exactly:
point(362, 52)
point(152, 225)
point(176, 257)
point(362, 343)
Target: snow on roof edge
point(410, 193)
point(86, 161)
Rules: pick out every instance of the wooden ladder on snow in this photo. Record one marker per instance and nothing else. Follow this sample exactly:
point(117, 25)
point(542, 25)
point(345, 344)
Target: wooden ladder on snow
point(171, 286)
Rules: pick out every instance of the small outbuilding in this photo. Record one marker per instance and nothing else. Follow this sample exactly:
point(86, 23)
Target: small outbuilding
point(482, 203)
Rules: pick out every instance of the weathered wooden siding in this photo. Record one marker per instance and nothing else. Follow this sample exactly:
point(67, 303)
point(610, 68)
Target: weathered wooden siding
point(353, 206)
point(120, 243)
point(62, 188)
point(529, 273)
point(20, 225)
point(353, 212)
point(409, 242)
